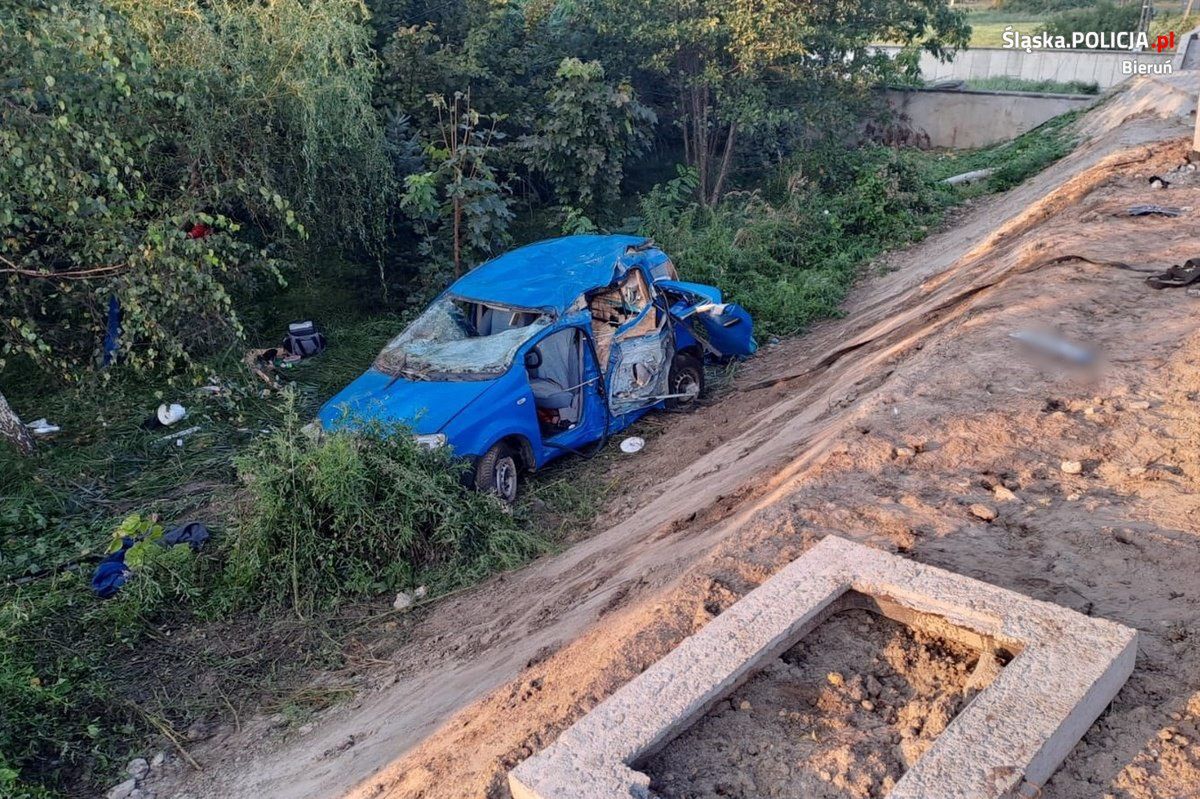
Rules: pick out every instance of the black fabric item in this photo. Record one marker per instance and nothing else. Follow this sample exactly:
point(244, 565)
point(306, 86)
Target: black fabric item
point(1176, 276)
point(304, 339)
point(194, 534)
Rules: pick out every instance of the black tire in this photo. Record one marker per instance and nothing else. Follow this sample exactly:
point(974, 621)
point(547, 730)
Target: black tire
point(686, 377)
point(498, 472)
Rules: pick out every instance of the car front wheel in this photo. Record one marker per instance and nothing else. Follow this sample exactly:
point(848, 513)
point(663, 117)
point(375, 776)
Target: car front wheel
point(497, 472)
point(685, 382)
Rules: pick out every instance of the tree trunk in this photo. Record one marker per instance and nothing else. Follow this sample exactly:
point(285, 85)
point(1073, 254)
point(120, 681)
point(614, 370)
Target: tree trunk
point(458, 237)
point(700, 149)
point(719, 185)
point(12, 429)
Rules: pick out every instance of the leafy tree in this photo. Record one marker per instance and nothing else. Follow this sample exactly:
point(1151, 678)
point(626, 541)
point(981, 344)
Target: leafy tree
point(84, 216)
point(150, 149)
point(585, 133)
point(460, 194)
point(733, 67)
point(280, 95)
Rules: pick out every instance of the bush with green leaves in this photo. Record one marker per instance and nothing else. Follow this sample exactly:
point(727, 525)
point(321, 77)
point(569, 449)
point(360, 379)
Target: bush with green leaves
point(356, 514)
point(585, 133)
point(788, 251)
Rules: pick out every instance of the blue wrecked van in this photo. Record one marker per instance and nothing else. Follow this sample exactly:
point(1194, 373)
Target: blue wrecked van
point(546, 350)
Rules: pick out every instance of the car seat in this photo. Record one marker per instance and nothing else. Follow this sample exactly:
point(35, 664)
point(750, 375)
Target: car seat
point(547, 392)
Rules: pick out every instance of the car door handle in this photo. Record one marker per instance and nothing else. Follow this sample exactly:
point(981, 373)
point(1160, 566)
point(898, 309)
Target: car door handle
point(521, 401)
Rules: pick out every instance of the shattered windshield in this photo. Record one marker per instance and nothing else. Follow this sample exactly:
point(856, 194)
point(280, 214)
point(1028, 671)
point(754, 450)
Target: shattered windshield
point(449, 341)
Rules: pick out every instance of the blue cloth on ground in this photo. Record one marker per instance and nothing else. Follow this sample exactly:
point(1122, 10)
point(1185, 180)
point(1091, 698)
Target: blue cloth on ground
point(111, 573)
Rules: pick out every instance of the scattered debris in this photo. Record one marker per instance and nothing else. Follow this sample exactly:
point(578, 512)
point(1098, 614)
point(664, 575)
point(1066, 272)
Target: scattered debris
point(168, 415)
point(41, 427)
point(1138, 405)
point(1071, 467)
point(1158, 183)
point(421, 592)
point(112, 572)
point(969, 177)
point(138, 768)
point(633, 444)
point(123, 790)
point(181, 435)
point(1177, 276)
point(403, 601)
point(1154, 210)
point(264, 362)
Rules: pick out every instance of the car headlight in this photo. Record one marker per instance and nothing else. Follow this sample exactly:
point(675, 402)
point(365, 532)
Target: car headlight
point(430, 441)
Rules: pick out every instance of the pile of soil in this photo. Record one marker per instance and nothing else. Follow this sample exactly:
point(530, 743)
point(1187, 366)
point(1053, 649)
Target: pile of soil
point(841, 715)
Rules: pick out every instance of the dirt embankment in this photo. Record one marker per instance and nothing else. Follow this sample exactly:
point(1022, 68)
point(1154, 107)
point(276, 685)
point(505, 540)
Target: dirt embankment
point(885, 427)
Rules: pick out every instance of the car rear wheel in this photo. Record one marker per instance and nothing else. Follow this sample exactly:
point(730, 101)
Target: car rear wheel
point(686, 378)
point(497, 472)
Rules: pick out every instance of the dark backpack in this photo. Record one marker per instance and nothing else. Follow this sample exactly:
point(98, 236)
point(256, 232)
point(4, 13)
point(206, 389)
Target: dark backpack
point(304, 339)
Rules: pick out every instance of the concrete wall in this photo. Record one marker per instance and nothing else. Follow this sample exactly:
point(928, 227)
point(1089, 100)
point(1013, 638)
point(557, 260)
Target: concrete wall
point(1103, 67)
point(967, 119)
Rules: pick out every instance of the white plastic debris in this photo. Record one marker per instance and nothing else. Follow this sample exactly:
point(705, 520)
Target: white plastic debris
point(181, 435)
point(41, 427)
point(633, 444)
point(170, 414)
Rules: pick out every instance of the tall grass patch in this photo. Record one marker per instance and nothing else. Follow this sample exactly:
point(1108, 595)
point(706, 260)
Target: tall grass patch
point(358, 514)
point(788, 250)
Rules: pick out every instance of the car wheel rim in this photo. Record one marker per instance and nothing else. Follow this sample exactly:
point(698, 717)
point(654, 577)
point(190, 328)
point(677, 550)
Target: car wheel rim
point(506, 479)
point(686, 384)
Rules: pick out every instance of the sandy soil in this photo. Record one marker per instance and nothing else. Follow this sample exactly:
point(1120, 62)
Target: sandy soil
point(885, 427)
point(841, 715)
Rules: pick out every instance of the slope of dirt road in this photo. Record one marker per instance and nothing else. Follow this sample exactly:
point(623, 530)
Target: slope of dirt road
point(883, 427)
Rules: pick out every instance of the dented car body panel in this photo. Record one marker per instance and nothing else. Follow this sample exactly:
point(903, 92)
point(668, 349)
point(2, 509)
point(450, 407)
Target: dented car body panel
point(549, 348)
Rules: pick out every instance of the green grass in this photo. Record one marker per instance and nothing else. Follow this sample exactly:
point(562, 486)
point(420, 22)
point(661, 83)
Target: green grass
point(1014, 161)
point(987, 25)
point(1005, 84)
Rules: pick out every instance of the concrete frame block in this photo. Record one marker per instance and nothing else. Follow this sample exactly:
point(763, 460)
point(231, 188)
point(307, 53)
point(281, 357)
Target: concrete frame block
point(1065, 669)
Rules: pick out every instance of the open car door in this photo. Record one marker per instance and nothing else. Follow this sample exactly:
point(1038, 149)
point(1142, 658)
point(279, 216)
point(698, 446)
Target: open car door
point(633, 339)
point(724, 329)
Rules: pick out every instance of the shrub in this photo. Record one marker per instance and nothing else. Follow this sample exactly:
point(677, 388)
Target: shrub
point(788, 252)
point(357, 514)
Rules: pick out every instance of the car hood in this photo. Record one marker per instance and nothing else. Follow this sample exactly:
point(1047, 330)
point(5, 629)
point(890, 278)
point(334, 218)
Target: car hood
point(424, 405)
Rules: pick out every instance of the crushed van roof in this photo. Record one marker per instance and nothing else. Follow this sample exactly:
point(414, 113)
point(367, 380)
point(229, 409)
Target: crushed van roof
point(549, 274)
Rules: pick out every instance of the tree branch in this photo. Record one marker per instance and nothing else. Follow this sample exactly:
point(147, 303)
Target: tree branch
point(74, 274)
